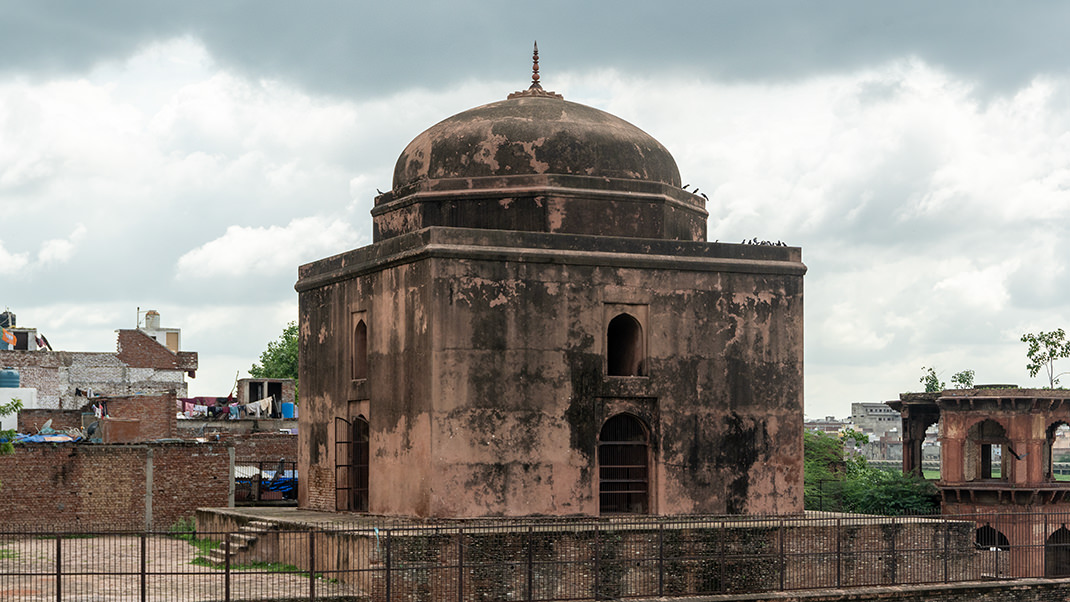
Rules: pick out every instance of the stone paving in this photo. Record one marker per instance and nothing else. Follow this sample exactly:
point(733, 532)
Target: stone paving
point(106, 568)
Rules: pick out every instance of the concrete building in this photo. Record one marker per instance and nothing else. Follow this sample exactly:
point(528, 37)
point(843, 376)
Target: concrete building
point(541, 328)
point(875, 419)
point(996, 459)
point(63, 379)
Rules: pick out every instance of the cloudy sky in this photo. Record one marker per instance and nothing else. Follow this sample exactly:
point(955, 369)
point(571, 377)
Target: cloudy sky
point(187, 157)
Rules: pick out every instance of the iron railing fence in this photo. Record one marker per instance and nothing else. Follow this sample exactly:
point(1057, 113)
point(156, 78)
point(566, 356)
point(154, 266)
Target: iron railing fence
point(531, 559)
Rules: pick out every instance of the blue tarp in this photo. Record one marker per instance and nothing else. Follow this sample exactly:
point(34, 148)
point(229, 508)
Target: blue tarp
point(50, 438)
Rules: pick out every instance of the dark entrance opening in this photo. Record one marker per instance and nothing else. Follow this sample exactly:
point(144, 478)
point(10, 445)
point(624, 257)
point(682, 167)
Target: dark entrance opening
point(624, 347)
point(1057, 554)
point(988, 538)
point(623, 466)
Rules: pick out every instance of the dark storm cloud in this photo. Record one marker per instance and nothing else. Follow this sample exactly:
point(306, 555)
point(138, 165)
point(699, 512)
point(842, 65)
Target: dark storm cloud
point(366, 48)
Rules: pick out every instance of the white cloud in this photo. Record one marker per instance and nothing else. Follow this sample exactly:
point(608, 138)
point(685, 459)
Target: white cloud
point(248, 251)
point(932, 222)
point(60, 250)
point(12, 263)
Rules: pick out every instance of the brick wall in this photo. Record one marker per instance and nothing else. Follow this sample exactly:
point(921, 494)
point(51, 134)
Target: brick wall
point(138, 350)
point(155, 415)
point(103, 487)
point(263, 447)
point(1021, 590)
point(57, 374)
point(30, 421)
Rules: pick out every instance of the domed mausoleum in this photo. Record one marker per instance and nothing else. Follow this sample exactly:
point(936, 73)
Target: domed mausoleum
point(540, 327)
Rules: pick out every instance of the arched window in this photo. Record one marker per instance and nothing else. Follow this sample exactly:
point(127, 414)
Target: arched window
point(1057, 554)
point(988, 538)
point(360, 350)
point(624, 347)
point(623, 466)
point(1057, 446)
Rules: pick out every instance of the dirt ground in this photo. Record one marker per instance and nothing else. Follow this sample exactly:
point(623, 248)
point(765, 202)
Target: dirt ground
point(107, 568)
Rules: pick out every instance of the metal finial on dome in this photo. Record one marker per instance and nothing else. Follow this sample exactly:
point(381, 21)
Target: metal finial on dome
point(535, 89)
point(535, 67)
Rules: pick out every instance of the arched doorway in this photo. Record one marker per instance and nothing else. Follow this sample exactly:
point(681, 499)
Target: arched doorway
point(1057, 554)
point(988, 538)
point(624, 347)
point(623, 466)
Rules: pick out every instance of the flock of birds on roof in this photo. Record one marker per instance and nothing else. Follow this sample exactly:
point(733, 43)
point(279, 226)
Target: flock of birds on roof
point(766, 243)
point(695, 191)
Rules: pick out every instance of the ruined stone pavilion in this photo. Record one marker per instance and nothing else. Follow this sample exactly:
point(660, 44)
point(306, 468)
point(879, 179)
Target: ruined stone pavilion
point(541, 328)
point(996, 467)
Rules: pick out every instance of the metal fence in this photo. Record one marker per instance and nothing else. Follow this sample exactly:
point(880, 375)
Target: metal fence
point(531, 560)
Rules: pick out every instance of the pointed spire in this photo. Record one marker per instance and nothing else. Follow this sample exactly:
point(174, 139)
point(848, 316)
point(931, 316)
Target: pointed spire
point(536, 88)
point(535, 67)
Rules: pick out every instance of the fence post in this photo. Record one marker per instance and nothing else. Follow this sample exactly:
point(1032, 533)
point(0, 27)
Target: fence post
point(947, 538)
point(597, 553)
point(226, 566)
point(724, 558)
point(661, 559)
point(312, 565)
point(783, 562)
point(895, 559)
point(839, 558)
point(388, 560)
point(460, 565)
point(144, 591)
point(531, 562)
point(59, 567)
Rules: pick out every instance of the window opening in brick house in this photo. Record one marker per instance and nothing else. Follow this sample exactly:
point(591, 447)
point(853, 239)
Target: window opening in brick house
point(988, 538)
point(986, 451)
point(1057, 554)
point(360, 351)
point(623, 466)
point(352, 447)
point(624, 347)
point(1056, 448)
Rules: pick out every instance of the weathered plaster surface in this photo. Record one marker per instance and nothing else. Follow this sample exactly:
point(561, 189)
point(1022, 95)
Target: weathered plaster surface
point(487, 386)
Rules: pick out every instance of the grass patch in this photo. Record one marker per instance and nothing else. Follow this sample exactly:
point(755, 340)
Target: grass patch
point(186, 530)
point(9, 555)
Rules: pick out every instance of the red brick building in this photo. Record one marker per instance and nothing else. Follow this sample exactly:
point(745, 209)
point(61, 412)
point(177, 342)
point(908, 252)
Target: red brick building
point(996, 458)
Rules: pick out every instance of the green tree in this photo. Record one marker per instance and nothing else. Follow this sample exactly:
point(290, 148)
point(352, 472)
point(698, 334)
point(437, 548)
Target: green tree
point(963, 380)
point(279, 360)
point(7, 436)
point(1044, 349)
point(834, 481)
point(931, 380)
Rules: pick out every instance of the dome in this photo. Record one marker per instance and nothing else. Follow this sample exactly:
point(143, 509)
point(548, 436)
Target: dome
point(538, 163)
point(534, 135)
